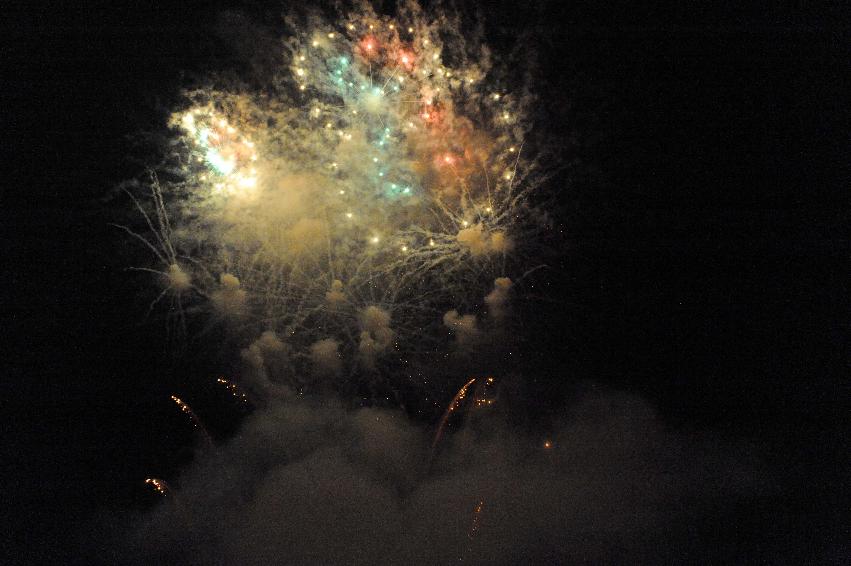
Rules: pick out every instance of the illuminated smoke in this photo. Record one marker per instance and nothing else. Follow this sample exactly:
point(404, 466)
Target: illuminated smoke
point(325, 356)
point(229, 299)
point(479, 242)
point(464, 327)
point(496, 299)
point(304, 479)
point(178, 280)
point(376, 335)
point(269, 360)
point(335, 296)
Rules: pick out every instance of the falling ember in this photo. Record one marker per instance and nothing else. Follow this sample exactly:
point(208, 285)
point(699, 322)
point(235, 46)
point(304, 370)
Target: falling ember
point(193, 418)
point(234, 389)
point(547, 445)
point(475, 524)
point(477, 515)
point(483, 396)
point(160, 486)
point(453, 406)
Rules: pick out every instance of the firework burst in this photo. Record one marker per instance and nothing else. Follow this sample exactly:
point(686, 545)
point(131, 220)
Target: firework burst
point(334, 222)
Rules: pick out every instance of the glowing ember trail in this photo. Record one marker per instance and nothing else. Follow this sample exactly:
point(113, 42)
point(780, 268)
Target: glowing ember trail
point(477, 512)
point(233, 389)
point(193, 418)
point(160, 486)
point(453, 406)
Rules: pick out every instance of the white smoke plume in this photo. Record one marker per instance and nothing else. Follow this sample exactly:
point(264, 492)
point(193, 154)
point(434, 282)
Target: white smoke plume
point(310, 482)
point(268, 361)
point(325, 355)
point(178, 280)
point(376, 335)
point(464, 327)
point(496, 300)
point(335, 296)
point(229, 299)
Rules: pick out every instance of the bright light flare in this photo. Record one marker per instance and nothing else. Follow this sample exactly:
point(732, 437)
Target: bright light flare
point(406, 59)
point(369, 47)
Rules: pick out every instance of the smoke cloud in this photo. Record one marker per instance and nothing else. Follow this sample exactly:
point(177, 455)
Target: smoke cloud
point(496, 300)
point(464, 327)
point(325, 356)
point(229, 299)
point(311, 482)
point(376, 335)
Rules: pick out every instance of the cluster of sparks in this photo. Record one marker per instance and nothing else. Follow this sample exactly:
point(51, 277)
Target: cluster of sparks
point(450, 409)
point(159, 486)
point(227, 154)
point(482, 398)
point(193, 418)
point(234, 389)
point(477, 516)
point(184, 408)
point(375, 178)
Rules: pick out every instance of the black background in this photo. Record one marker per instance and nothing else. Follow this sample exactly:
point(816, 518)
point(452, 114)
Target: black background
point(703, 242)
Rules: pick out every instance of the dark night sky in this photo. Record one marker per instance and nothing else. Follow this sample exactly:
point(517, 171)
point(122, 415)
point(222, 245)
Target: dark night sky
point(702, 263)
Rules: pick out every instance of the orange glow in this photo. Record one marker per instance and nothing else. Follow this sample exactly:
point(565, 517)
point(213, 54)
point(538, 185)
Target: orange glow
point(369, 46)
point(432, 114)
point(453, 405)
point(447, 160)
point(406, 59)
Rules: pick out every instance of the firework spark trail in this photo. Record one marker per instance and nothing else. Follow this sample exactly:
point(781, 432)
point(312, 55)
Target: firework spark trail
point(475, 524)
point(234, 390)
point(450, 410)
point(193, 418)
point(159, 485)
point(481, 397)
point(477, 516)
